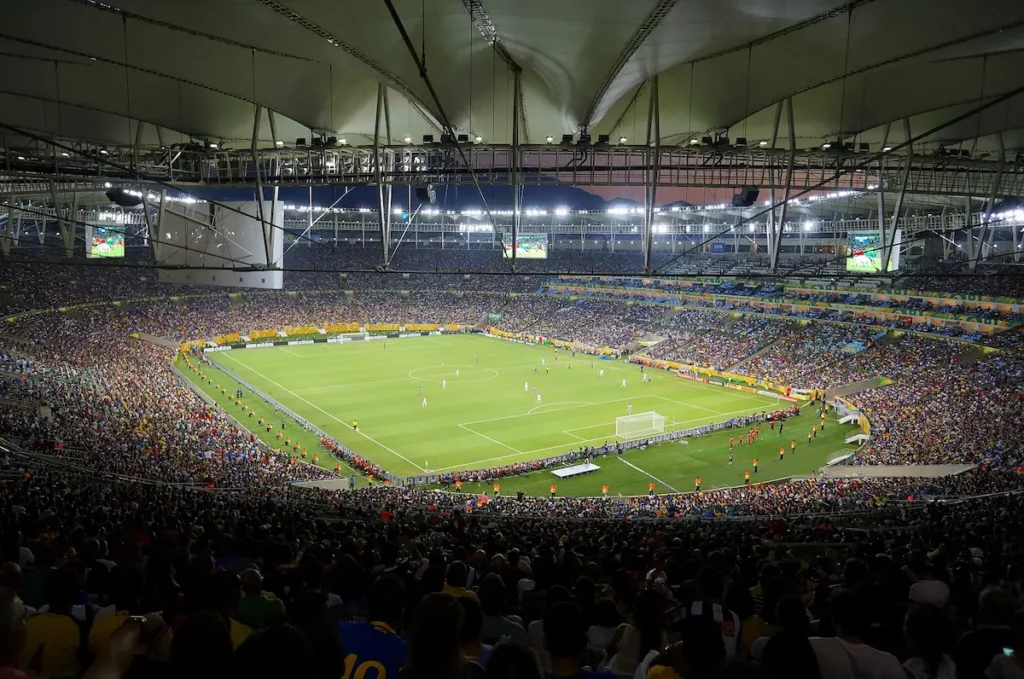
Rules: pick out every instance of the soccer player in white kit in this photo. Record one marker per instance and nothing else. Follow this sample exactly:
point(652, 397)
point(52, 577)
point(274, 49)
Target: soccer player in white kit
point(629, 409)
point(444, 384)
point(623, 384)
point(601, 374)
point(424, 402)
point(542, 361)
point(526, 386)
point(456, 372)
point(538, 399)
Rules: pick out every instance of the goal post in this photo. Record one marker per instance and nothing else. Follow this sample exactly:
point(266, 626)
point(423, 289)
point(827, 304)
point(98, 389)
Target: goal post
point(641, 424)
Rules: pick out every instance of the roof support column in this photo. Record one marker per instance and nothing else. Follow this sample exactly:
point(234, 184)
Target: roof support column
point(267, 228)
point(881, 185)
point(6, 235)
point(273, 127)
point(383, 190)
point(139, 127)
point(980, 251)
point(517, 208)
point(888, 239)
point(16, 226)
point(771, 231)
point(153, 228)
point(67, 230)
point(653, 172)
point(776, 246)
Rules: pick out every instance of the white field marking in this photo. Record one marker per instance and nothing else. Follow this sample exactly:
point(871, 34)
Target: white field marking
point(578, 438)
point(560, 403)
point(647, 474)
point(470, 370)
point(289, 351)
point(333, 387)
point(485, 436)
point(509, 417)
point(598, 439)
point(655, 373)
point(360, 432)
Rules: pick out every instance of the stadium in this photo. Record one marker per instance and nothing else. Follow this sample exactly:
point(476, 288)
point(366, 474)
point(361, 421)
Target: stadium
point(513, 339)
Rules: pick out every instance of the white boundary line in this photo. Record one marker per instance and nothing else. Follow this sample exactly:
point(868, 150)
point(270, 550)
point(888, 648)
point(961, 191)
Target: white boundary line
point(569, 406)
point(496, 441)
point(647, 474)
point(310, 403)
point(285, 349)
point(472, 465)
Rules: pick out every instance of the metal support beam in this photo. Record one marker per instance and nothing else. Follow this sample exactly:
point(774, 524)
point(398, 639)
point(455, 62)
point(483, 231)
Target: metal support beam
point(653, 166)
point(6, 236)
point(889, 239)
point(383, 188)
point(139, 127)
point(980, 251)
point(517, 207)
point(273, 126)
point(881, 189)
point(67, 230)
point(777, 245)
point(267, 228)
point(16, 232)
point(153, 228)
point(773, 233)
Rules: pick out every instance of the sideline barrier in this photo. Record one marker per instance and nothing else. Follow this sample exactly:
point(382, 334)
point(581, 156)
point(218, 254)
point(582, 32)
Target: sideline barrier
point(305, 424)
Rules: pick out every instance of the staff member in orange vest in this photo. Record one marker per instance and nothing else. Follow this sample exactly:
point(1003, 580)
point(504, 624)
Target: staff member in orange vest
point(792, 446)
point(650, 488)
point(497, 489)
point(554, 489)
point(458, 486)
point(782, 452)
point(696, 485)
point(746, 478)
point(604, 489)
point(755, 465)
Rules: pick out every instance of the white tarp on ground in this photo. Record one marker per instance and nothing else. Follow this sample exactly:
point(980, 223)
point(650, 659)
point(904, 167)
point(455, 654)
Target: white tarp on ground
point(575, 470)
point(923, 471)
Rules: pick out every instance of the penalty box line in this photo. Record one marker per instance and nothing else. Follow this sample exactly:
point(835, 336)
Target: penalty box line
point(310, 403)
point(471, 465)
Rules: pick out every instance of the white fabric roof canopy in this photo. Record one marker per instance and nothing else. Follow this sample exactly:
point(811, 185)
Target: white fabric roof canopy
point(85, 70)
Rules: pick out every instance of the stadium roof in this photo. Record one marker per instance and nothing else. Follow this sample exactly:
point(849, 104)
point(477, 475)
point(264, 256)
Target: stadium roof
point(89, 70)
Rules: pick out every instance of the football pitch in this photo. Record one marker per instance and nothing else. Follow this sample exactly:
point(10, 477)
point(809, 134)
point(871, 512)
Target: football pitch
point(481, 411)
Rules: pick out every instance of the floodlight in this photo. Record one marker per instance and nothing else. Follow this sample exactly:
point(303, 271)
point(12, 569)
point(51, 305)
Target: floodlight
point(622, 140)
point(549, 139)
point(407, 140)
point(478, 139)
point(763, 143)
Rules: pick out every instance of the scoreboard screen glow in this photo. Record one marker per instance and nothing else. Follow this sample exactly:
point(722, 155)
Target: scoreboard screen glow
point(527, 246)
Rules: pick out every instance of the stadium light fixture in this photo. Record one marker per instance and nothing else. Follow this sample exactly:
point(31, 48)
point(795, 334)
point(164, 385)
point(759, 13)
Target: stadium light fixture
point(622, 140)
point(549, 139)
point(213, 145)
point(561, 211)
point(407, 140)
point(65, 154)
point(763, 143)
point(103, 152)
point(278, 143)
point(886, 149)
point(695, 141)
point(808, 226)
point(826, 146)
point(478, 139)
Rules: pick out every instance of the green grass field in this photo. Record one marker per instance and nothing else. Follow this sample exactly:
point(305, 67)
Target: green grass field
point(478, 413)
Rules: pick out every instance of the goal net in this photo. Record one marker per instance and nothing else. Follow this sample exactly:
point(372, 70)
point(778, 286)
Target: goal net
point(641, 424)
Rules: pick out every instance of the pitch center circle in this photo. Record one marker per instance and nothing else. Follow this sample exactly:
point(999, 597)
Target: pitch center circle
point(467, 373)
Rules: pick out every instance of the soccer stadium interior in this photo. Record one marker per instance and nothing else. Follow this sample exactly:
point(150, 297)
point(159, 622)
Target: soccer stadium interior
point(273, 272)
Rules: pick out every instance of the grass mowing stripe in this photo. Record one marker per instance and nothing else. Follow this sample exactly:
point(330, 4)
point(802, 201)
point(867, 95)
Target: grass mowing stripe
point(362, 433)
